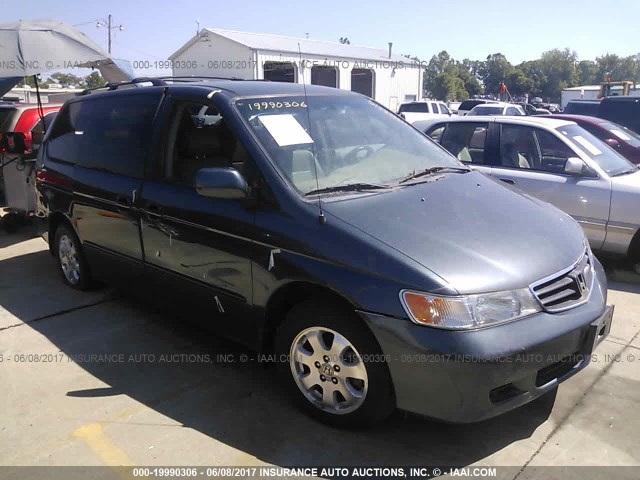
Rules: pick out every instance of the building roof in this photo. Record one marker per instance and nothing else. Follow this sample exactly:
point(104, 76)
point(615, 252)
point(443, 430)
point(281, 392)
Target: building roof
point(261, 41)
point(583, 87)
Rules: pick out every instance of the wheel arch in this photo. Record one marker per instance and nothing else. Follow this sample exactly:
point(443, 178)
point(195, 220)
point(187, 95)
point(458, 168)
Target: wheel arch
point(55, 220)
point(633, 252)
point(294, 293)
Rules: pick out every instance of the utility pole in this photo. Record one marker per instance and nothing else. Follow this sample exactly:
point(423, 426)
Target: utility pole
point(108, 24)
point(109, 28)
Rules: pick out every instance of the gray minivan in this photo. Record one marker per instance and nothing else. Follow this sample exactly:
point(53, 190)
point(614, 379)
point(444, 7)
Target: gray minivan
point(315, 224)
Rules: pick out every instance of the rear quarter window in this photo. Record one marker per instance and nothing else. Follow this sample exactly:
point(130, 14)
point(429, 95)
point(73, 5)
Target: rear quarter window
point(109, 133)
point(468, 104)
point(5, 118)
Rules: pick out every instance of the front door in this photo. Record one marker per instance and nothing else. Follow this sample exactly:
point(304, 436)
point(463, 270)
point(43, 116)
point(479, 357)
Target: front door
point(199, 247)
point(533, 160)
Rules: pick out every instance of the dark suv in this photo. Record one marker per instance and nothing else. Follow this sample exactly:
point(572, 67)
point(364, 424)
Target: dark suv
point(314, 223)
point(624, 111)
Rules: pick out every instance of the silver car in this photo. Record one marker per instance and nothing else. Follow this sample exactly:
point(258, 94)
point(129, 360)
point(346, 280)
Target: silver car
point(556, 161)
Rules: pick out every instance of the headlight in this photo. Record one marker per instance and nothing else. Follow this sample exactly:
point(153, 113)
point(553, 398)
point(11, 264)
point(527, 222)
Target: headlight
point(469, 311)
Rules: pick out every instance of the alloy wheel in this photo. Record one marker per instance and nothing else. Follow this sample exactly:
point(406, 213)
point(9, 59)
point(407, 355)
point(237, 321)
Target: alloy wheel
point(328, 370)
point(69, 262)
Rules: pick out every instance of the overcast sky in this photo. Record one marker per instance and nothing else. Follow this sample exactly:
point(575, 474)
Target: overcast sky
point(465, 28)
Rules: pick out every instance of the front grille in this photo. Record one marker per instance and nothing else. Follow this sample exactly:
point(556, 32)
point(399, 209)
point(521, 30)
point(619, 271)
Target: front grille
point(566, 289)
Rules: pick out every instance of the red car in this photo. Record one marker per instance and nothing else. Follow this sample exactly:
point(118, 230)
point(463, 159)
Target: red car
point(24, 117)
point(626, 142)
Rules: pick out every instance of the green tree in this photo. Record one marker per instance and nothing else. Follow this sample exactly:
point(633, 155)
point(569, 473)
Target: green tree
point(447, 86)
point(449, 79)
point(494, 70)
point(66, 79)
point(94, 80)
point(628, 68)
point(607, 65)
point(532, 70)
point(518, 83)
point(559, 66)
point(587, 72)
point(466, 71)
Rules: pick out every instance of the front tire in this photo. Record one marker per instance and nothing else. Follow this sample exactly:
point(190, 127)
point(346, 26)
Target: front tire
point(71, 261)
point(333, 366)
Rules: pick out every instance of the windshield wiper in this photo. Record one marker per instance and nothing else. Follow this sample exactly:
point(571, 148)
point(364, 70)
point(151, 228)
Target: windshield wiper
point(349, 187)
point(429, 171)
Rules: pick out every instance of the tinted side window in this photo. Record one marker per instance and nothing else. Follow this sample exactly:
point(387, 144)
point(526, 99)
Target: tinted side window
point(434, 108)
point(468, 104)
point(436, 133)
point(624, 113)
point(518, 148)
point(38, 128)
point(466, 141)
point(532, 148)
point(106, 133)
point(444, 109)
point(5, 118)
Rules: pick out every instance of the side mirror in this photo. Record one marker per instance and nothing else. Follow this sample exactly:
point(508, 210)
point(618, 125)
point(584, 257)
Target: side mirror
point(225, 183)
point(573, 166)
point(612, 142)
point(13, 142)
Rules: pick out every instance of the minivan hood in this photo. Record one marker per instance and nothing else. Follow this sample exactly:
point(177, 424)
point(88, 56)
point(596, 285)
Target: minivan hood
point(477, 235)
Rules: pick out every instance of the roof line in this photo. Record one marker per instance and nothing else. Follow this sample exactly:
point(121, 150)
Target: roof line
point(220, 33)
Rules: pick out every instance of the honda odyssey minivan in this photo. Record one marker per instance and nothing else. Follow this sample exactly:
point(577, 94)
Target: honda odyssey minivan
point(315, 224)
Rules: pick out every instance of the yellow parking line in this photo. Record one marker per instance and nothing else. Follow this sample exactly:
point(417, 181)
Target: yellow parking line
point(104, 447)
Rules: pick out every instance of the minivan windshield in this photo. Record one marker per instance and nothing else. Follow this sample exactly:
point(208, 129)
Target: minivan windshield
point(606, 157)
point(325, 141)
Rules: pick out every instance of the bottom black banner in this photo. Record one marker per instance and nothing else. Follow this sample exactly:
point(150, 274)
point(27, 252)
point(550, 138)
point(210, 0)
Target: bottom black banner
point(327, 472)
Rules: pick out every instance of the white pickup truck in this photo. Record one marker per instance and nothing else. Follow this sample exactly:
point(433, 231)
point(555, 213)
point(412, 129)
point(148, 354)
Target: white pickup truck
point(423, 110)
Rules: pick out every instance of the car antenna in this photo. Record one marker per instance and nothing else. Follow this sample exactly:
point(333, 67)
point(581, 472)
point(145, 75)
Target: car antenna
point(321, 217)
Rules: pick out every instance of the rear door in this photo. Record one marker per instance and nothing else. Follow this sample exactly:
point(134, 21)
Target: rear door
point(532, 159)
point(106, 138)
point(467, 141)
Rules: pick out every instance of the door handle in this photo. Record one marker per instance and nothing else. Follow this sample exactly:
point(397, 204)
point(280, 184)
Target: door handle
point(508, 180)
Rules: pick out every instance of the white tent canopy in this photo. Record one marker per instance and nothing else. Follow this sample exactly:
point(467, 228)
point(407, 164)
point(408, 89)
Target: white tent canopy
point(38, 46)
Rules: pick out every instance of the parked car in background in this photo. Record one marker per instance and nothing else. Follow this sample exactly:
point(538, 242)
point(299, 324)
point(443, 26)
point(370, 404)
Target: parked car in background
point(414, 111)
point(293, 219)
point(453, 107)
point(582, 107)
point(621, 110)
point(466, 106)
point(559, 162)
point(626, 142)
point(530, 109)
point(25, 118)
point(496, 109)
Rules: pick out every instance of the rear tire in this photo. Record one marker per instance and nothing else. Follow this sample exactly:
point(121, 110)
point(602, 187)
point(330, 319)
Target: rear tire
point(333, 367)
point(71, 260)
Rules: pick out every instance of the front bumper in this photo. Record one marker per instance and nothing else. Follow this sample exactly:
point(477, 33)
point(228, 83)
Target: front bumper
point(470, 376)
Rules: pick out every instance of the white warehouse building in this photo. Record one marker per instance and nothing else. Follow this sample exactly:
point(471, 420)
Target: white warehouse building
point(389, 79)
